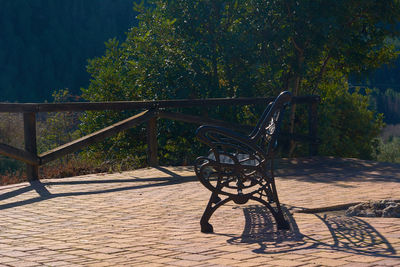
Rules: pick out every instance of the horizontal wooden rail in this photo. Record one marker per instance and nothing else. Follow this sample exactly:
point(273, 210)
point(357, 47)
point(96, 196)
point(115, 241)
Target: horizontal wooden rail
point(19, 154)
point(234, 126)
point(130, 105)
point(95, 137)
point(202, 120)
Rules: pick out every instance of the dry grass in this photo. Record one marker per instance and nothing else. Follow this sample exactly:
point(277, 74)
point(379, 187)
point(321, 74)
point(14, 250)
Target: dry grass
point(73, 165)
point(15, 177)
point(57, 169)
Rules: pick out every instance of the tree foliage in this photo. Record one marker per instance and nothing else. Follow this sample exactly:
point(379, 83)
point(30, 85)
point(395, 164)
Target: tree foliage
point(215, 48)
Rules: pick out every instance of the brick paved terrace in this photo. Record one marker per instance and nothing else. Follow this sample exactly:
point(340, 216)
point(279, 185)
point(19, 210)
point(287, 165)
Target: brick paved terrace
point(150, 217)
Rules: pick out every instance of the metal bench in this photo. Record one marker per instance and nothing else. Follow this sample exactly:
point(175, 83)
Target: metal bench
point(239, 167)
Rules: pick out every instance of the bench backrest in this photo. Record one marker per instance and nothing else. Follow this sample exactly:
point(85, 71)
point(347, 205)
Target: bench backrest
point(268, 126)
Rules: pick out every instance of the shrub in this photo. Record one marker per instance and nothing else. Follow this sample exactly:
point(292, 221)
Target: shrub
point(389, 151)
point(347, 127)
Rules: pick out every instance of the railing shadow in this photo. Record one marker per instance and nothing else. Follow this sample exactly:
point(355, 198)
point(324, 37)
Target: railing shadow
point(348, 234)
point(44, 194)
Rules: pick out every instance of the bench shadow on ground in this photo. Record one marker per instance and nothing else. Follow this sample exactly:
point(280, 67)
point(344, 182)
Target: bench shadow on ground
point(44, 194)
point(348, 234)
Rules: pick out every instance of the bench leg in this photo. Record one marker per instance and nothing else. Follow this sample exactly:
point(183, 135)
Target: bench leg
point(281, 222)
point(273, 195)
point(213, 204)
point(270, 194)
point(280, 219)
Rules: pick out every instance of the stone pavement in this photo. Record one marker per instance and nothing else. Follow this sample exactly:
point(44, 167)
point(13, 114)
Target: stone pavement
point(150, 217)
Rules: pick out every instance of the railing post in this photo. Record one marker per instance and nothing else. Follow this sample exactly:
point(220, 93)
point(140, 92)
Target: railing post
point(32, 171)
point(152, 146)
point(313, 127)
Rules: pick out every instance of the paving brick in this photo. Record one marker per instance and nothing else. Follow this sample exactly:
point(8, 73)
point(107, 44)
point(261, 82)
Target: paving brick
point(284, 263)
point(289, 256)
point(58, 263)
point(7, 259)
point(22, 263)
point(246, 264)
point(388, 262)
point(231, 248)
point(364, 259)
point(183, 263)
point(225, 262)
point(100, 264)
point(164, 260)
point(239, 256)
point(16, 254)
point(153, 264)
point(195, 257)
point(359, 264)
point(328, 262)
point(99, 256)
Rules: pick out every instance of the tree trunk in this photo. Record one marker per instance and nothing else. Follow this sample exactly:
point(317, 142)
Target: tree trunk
point(293, 115)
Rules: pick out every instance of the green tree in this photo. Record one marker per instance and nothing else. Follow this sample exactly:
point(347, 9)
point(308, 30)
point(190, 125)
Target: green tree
point(205, 48)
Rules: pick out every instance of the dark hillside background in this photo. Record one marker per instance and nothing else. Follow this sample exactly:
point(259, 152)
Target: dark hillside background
point(45, 44)
point(385, 83)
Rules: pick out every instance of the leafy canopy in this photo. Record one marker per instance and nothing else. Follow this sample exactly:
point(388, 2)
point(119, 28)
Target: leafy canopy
point(215, 48)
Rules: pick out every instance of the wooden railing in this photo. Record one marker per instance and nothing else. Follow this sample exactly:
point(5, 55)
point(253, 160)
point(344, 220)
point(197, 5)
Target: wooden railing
point(153, 110)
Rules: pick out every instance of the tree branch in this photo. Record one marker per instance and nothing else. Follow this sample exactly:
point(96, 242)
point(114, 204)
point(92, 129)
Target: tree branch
point(321, 73)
